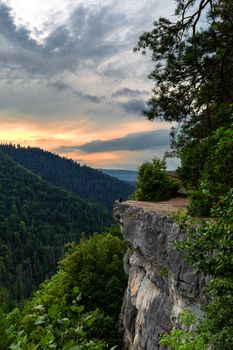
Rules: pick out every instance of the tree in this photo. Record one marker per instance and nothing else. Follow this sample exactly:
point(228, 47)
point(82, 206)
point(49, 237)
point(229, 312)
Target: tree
point(153, 182)
point(4, 337)
point(193, 77)
point(209, 249)
point(216, 176)
point(193, 66)
point(79, 306)
point(95, 266)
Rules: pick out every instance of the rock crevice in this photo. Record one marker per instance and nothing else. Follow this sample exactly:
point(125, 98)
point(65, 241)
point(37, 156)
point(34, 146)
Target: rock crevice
point(160, 283)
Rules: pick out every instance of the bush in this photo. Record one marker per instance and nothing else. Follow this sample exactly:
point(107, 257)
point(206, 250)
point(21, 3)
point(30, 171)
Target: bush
point(208, 248)
point(186, 337)
point(201, 202)
point(153, 182)
point(216, 176)
point(4, 336)
point(80, 305)
point(96, 267)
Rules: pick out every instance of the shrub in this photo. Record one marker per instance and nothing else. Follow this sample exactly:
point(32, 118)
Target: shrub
point(216, 176)
point(186, 337)
point(209, 248)
point(80, 305)
point(153, 182)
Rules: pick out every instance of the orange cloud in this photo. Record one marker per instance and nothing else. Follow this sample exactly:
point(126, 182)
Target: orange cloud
point(113, 160)
point(95, 159)
point(52, 135)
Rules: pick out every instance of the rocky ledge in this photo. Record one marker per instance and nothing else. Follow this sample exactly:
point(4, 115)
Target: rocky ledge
point(160, 283)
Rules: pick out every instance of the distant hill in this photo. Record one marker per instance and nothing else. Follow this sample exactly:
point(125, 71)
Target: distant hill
point(129, 176)
point(87, 182)
point(123, 175)
point(36, 220)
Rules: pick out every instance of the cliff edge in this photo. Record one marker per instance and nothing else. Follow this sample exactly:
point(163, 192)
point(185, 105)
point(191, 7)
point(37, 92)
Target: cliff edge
point(160, 283)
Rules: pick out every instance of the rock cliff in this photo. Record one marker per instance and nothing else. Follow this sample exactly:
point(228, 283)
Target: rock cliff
point(160, 283)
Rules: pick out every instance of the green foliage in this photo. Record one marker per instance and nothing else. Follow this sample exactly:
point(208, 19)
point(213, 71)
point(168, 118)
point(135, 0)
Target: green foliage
point(216, 176)
point(193, 66)
point(4, 336)
point(209, 249)
point(193, 76)
point(153, 182)
point(36, 220)
point(164, 271)
point(79, 306)
point(180, 217)
point(185, 338)
point(95, 266)
point(90, 184)
point(55, 328)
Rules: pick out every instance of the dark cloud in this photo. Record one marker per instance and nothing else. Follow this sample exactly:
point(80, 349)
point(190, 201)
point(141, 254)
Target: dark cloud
point(10, 34)
point(90, 36)
point(114, 72)
point(134, 106)
point(152, 140)
point(90, 98)
point(87, 97)
point(82, 40)
point(94, 40)
point(93, 28)
point(129, 92)
point(61, 86)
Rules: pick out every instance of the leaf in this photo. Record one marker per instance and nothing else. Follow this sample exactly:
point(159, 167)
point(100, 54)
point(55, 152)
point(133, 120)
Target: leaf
point(76, 290)
point(47, 339)
point(77, 309)
point(69, 346)
point(53, 310)
point(90, 321)
point(40, 320)
point(39, 307)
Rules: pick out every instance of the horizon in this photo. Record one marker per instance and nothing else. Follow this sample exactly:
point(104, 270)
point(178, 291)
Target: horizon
point(72, 84)
point(16, 145)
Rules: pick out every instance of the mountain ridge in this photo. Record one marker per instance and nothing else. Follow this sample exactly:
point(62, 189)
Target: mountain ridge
point(36, 220)
point(88, 183)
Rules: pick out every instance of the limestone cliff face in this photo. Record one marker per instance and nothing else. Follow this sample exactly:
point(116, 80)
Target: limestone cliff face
point(160, 283)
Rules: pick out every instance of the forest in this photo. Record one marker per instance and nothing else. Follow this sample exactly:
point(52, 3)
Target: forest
point(36, 220)
point(88, 183)
point(74, 309)
point(47, 201)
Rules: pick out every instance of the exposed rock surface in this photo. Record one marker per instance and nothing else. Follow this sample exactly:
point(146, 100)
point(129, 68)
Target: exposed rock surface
point(160, 283)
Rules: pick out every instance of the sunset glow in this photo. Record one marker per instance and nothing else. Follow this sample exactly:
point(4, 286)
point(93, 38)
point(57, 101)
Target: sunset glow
point(71, 80)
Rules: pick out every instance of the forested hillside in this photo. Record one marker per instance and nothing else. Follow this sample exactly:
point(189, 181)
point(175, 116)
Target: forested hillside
point(36, 220)
point(88, 183)
point(47, 201)
point(75, 309)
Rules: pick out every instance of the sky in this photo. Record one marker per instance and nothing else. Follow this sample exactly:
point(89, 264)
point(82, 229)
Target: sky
point(70, 82)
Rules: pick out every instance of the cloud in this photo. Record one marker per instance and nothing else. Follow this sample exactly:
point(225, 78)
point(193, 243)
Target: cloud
point(82, 40)
point(76, 68)
point(89, 36)
point(90, 98)
point(61, 86)
point(155, 139)
point(10, 33)
point(134, 106)
point(129, 93)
